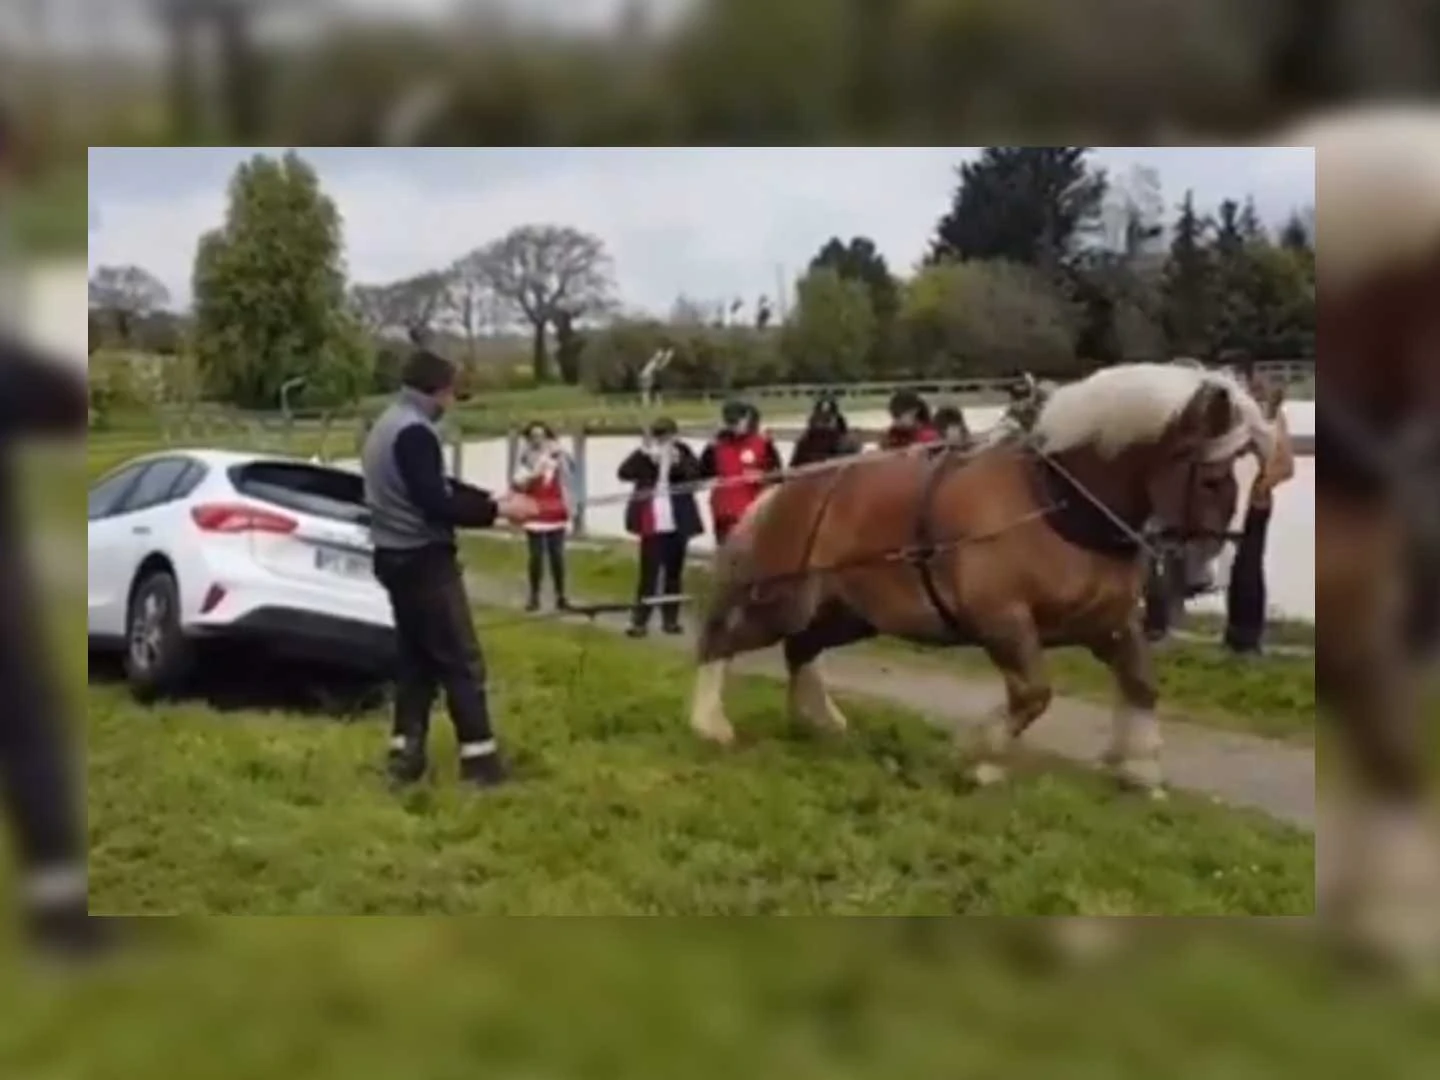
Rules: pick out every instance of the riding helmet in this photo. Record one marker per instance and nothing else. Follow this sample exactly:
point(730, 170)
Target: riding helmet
point(735, 412)
point(907, 401)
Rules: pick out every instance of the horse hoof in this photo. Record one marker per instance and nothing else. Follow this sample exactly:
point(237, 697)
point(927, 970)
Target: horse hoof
point(1143, 776)
point(987, 774)
point(719, 736)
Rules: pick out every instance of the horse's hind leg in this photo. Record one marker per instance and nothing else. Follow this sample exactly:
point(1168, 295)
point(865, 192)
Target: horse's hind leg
point(1135, 742)
point(833, 626)
point(730, 627)
point(1021, 661)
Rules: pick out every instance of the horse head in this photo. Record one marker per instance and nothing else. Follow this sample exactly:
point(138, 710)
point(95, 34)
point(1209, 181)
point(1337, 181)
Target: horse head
point(1157, 444)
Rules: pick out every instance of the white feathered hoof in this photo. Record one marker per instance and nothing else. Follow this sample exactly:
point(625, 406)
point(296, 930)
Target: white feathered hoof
point(707, 712)
point(810, 703)
point(987, 774)
point(1142, 775)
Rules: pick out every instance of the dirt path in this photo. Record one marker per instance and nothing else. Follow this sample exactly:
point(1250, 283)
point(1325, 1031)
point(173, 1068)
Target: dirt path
point(1232, 768)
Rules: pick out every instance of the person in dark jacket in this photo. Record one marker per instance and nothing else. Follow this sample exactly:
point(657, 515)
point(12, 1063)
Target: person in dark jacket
point(414, 511)
point(950, 424)
point(910, 423)
point(739, 459)
point(664, 516)
point(826, 436)
point(39, 396)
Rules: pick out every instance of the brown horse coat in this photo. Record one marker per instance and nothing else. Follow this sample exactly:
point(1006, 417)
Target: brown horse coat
point(1377, 478)
point(1010, 550)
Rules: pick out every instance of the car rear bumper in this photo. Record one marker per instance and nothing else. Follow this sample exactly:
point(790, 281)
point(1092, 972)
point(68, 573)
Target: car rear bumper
point(308, 635)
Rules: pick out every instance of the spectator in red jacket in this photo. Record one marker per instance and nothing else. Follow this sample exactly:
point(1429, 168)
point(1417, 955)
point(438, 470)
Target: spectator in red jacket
point(910, 423)
point(546, 472)
point(738, 460)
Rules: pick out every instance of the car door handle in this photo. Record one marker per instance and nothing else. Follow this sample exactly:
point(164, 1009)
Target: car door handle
point(141, 530)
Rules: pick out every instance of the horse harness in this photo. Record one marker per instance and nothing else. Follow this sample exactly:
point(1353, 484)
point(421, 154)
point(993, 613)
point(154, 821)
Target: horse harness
point(1067, 509)
point(1403, 469)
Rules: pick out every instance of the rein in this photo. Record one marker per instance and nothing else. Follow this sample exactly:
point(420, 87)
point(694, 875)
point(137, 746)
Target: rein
point(916, 554)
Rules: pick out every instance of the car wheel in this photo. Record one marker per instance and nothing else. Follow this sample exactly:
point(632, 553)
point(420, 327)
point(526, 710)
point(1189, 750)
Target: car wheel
point(157, 656)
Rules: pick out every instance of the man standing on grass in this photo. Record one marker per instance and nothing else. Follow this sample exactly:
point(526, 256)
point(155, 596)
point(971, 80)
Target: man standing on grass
point(39, 395)
point(415, 510)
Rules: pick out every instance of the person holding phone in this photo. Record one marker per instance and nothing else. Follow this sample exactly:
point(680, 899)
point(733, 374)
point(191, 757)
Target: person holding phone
point(663, 515)
point(545, 471)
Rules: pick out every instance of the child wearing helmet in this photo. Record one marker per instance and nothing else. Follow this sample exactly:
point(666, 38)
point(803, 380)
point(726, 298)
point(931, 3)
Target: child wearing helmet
point(910, 423)
point(738, 459)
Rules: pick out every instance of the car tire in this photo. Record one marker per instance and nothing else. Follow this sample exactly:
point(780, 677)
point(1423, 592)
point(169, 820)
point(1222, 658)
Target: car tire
point(158, 658)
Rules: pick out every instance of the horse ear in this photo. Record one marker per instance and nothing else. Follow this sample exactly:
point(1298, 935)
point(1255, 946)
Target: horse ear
point(1209, 415)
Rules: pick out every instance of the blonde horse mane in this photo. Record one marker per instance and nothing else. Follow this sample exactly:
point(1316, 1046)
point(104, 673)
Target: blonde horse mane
point(1131, 404)
point(1379, 168)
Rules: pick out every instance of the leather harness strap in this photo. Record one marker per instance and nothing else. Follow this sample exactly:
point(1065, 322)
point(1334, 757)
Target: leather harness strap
point(927, 545)
point(1404, 470)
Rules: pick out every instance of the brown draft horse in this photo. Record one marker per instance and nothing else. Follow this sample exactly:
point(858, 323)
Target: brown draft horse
point(1011, 549)
point(1377, 531)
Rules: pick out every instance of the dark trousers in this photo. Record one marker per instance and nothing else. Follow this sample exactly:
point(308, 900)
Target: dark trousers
point(1164, 594)
point(436, 645)
point(662, 573)
point(546, 546)
point(38, 790)
point(1245, 598)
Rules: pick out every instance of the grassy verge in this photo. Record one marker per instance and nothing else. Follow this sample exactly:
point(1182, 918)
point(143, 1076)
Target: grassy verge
point(437, 999)
point(1273, 697)
point(620, 810)
point(51, 218)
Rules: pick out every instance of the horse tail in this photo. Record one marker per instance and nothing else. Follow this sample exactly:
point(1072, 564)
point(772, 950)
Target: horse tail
point(1380, 171)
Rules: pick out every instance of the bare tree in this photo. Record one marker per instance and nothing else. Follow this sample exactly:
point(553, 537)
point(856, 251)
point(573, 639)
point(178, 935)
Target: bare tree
point(539, 271)
point(412, 305)
point(470, 302)
point(126, 293)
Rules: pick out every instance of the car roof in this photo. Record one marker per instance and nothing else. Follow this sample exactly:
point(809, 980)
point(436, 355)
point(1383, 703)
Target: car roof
point(217, 459)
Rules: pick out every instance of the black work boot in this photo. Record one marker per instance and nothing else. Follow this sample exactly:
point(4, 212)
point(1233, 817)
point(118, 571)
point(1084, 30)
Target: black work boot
point(486, 771)
point(406, 762)
point(68, 933)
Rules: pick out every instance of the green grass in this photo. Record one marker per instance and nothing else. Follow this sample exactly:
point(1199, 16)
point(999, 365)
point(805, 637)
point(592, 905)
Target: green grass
point(52, 217)
point(813, 999)
point(619, 809)
point(1199, 680)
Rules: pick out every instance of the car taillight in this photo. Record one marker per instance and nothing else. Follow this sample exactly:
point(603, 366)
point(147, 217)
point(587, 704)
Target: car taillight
point(238, 518)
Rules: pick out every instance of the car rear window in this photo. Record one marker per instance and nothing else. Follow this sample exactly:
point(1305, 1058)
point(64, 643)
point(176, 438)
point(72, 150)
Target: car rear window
point(306, 489)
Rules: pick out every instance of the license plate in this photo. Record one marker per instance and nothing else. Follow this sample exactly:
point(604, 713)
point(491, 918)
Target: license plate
point(345, 563)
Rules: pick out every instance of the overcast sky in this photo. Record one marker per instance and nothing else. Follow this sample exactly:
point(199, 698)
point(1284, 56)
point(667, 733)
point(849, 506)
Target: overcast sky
point(708, 223)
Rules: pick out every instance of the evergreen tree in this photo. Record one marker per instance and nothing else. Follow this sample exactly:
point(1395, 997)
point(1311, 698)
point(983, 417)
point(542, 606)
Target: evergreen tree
point(1189, 283)
point(269, 292)
point(1026, 204)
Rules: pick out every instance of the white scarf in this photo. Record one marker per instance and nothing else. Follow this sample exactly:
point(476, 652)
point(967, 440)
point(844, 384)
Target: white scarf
point(662, 508)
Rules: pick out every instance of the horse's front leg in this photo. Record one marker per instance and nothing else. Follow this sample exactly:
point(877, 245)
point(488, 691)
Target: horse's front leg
point(1135, 742)
point(1021, 661)
point(1379, 857)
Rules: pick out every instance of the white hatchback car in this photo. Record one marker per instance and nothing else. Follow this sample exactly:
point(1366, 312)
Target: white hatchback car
point(188, 546)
